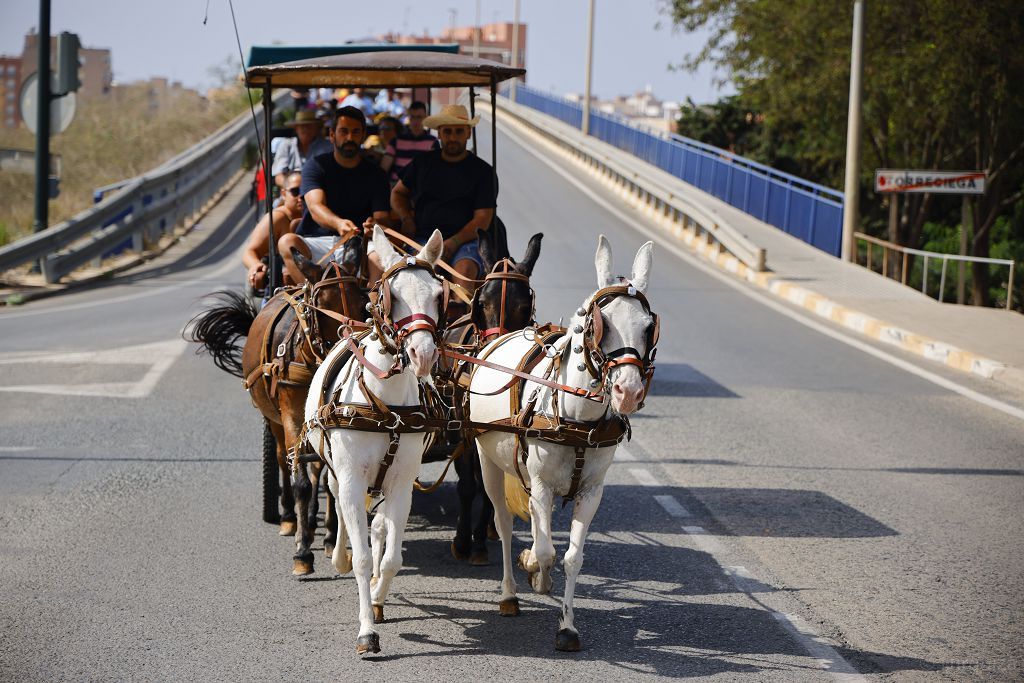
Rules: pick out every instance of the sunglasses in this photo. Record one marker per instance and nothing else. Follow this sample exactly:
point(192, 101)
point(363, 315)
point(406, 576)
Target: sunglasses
point(295, 191)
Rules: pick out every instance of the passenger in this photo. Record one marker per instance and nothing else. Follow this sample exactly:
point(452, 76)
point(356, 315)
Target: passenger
point(286, 217)
point(407, 145)
point(448, 189)
point(293, 153)
point(343, 194)
point(360, 100)
point(388, 102)
point(376, 145)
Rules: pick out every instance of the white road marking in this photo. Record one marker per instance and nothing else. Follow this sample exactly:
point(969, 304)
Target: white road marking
point(158, 355)
point(816, 646)
point(745, 289)
point(233, 263)
point(644, 477)
point(812, 643)
point(672, 506)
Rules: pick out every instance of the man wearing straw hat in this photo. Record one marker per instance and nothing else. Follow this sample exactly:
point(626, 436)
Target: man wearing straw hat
point(293, 152)
point(448, 189)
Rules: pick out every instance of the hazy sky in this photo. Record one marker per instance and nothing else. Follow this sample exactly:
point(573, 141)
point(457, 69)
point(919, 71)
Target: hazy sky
point(158, 38)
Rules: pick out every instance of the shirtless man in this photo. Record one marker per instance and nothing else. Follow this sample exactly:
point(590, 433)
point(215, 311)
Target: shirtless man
point(286, 217)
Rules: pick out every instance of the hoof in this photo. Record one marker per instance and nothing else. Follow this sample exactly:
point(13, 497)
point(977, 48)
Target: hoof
point(369, 643)
point(287, 528)
point(378, 614)
point(567, 641)
point(329, 549)
point(540, 582)
point(478, 558)
point(343, 566)
point(509, 607)
point(302, 566)
point(492, 533)
point(458, 554)
point(523, 561)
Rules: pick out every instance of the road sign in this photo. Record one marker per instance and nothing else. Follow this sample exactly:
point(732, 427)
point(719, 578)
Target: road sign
point(940, 182)
point(62, 109)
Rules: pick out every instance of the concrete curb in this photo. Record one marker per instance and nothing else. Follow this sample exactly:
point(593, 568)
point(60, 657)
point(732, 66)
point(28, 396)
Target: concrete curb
point(703, 246)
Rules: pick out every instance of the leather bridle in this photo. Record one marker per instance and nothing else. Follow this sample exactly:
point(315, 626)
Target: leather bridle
point(600, 363)
point(503, 272)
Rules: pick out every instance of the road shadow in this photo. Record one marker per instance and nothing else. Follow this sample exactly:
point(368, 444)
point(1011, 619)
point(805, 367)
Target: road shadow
point(682, 380)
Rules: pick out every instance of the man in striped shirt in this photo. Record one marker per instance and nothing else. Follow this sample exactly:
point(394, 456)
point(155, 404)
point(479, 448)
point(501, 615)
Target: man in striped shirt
point(407, 145)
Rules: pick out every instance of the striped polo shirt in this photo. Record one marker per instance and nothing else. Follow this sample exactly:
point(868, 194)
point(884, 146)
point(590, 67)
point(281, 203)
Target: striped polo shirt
point(406, 146)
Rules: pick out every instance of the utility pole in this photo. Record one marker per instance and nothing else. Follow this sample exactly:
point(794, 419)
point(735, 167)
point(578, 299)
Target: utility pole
point(586, 83)
point(476, 32)
point(515, 46)
point(852, 185)
point(42, 216)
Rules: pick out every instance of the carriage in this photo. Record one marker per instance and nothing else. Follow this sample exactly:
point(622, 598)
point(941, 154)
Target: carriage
point(546, 401)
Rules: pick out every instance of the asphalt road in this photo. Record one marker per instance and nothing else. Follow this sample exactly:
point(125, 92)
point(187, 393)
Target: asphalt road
point(789, 508)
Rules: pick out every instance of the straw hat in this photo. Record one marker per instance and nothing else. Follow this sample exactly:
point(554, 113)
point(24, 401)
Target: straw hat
point(452, 115)
point(304, 116)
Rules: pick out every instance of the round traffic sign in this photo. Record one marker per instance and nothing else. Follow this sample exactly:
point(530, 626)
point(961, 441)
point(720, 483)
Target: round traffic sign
point(62, 109)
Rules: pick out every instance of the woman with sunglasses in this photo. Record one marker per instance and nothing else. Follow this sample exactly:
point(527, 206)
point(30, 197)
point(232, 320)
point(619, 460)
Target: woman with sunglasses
point(286, 217)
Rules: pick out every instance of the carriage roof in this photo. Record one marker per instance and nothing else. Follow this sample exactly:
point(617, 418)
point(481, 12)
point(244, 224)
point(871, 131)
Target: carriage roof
point(383, 69)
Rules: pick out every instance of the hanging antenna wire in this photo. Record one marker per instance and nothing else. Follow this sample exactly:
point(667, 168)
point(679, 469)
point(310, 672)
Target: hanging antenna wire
point(248, 95)
point(206, 14)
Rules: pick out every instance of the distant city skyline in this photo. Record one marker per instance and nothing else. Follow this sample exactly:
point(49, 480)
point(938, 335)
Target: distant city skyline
point(170, 40)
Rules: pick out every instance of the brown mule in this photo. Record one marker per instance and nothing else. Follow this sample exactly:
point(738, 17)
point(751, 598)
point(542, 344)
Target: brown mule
point(277, 362)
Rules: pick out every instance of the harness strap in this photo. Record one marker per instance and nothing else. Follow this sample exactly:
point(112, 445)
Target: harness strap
point(575, 391)
point(374, 491)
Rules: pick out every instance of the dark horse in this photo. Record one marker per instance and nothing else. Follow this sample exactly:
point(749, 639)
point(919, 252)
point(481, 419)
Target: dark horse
point(282, 350)
point(500, 304)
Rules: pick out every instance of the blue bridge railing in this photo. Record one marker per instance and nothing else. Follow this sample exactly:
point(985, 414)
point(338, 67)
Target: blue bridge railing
point(810, 212)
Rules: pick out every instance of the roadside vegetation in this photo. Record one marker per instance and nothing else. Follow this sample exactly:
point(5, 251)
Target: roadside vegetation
point(112, 138)
point(942, 90)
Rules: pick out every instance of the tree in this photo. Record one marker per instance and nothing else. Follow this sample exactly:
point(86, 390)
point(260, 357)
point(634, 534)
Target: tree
point(941, 91)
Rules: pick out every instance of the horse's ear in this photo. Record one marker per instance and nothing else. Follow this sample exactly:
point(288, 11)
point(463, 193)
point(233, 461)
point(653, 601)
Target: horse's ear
point(483, 247)
point(351, 255)
point(310, 270)
point(387, 254)
point(603, 262)
point(532, 253)
point(642, 267)
point(431, 251)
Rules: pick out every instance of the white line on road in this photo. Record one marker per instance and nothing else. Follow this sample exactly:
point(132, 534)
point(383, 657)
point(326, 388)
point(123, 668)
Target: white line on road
point(808, 639)
point(644, 477)
point(742, 287)
point(672, 506)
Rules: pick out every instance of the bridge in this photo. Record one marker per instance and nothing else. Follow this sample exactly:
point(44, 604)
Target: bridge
point(825, 483)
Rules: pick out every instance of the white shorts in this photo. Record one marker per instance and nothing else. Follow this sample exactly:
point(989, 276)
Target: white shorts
point(319, 246)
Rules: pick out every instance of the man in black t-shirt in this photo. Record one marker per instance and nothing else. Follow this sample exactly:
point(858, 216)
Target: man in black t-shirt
point(342, 192)
point(448, 189)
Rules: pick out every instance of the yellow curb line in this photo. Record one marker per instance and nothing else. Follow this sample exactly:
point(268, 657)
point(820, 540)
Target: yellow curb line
point(714, 253)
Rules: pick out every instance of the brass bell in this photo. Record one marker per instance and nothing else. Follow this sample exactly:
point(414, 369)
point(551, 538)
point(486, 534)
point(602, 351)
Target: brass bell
point(581, 367)
point(369, 307)
point(595, 383)
point(578, 329)
point(581, 312)
point(373, 336)
point(578, 348)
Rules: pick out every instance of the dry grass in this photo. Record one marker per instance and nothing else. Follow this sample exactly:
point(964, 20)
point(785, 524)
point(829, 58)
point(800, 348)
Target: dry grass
point(109, 140)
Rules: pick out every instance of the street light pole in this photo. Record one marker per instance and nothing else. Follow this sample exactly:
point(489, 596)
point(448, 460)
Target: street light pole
point(42, 216)
point(515, 47)
point(852, 185)
point(586, 84)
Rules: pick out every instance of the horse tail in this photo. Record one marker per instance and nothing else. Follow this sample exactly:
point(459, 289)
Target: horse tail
point(220, 330)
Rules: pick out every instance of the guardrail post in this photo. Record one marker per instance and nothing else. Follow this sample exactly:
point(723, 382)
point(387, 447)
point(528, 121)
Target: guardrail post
point(924, 277)
point(1009, 290)
point(942, 280)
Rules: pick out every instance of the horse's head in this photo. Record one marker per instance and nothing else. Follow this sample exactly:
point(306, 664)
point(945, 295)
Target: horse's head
point(505, 301)
point(334, 287)
point(619, 331)
point(411, 299)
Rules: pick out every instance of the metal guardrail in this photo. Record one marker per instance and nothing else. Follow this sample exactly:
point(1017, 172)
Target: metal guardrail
point(810, 212)
point(629, 173)
point(142, 208)
point(927, 256)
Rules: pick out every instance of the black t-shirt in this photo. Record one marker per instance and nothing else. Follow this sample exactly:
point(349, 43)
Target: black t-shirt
point(445, 194)
point(352, 193)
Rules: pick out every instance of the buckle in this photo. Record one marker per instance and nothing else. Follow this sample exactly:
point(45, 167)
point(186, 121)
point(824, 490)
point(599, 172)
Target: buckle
point(282, 349)
point(530, 433)
point(410, 260)
point(453, 425)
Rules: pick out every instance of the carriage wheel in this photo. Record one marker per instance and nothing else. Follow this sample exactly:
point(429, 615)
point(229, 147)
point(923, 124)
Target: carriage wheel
point(271, 477)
